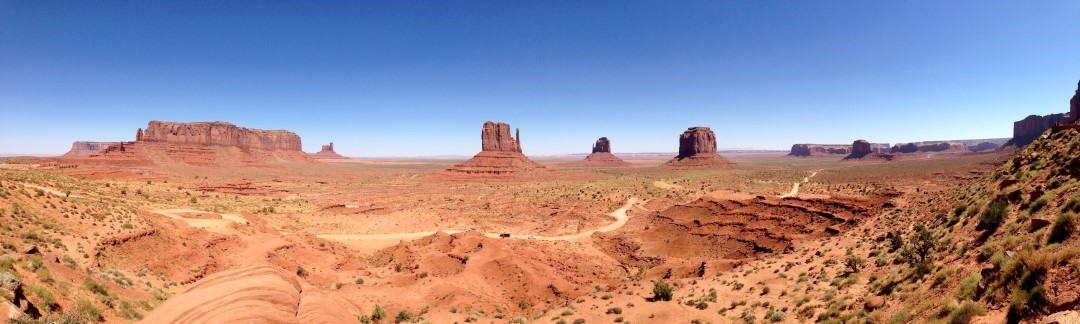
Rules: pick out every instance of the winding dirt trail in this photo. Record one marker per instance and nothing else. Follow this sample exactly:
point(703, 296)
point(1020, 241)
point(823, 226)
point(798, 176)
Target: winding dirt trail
point(393, 238)
point(795, 186)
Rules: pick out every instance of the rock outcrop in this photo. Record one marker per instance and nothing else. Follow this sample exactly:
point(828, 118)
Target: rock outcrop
point(500, 155)
point(204, 144)
point(601, 156)
point(84, 149)
point(697, 149)
point(327, 153)
point(253, 294)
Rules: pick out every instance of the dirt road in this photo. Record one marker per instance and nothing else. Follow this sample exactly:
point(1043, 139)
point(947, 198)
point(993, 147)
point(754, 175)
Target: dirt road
point(795, 186)
point(375, 241)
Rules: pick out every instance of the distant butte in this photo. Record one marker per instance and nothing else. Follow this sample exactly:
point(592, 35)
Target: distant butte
point(500, 154)
point(327, 153)
point(697, 149)
point(601, 156)
point(84, 149)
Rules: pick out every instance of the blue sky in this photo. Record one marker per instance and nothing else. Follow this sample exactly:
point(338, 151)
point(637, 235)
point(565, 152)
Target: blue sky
point(406, 78)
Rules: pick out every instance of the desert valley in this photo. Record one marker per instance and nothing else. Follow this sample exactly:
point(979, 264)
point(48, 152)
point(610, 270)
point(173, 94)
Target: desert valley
point(211, 222)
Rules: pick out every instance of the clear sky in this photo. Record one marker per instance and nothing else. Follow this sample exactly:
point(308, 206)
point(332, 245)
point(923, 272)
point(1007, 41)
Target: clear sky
point(407, 78)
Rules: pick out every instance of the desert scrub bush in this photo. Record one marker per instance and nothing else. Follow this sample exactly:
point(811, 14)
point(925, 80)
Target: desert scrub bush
point(1038, 204)
point(968, 287)
point(301, 272)
point(964, 313)
point(662, 291)
point(378, 313)
point(994, 215)
point(1063, 228)
point(44, 297)
point(403, 317)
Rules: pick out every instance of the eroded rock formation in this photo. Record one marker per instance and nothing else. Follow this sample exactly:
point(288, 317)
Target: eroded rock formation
point(84, 149)
point(500, 154)
point(601, 156)
point(327, 152)
point(697, 149)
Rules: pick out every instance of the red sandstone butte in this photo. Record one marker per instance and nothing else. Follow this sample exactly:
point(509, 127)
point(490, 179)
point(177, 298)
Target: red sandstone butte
point(327, 153)
point(697, 149)
point(500, 154)
point(601, 156)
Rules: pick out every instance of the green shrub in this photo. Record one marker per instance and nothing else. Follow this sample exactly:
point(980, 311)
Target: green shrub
point(968, 287)
point(965, 313)
point(1063, 228)
point(378, 314)
point(994, 215)
point(403, 316)
point(45, 298)
point(662, 291)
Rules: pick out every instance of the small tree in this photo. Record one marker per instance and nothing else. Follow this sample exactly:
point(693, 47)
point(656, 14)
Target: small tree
point(917, 251)
point(853, 263)
point(662, 291)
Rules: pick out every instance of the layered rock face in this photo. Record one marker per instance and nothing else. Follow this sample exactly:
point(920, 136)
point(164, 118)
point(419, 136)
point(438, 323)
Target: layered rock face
point(1028, 129)
point(500, 154)
point(204, 144)
point(327, 152)
point(220, 134)
point(697, 149)
point(253, 294)
point(84, 149)
point(601, 156)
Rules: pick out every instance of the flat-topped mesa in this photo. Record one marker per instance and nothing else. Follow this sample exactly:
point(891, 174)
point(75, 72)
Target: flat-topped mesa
point(500, 155)
point(219, 134)
point(697, 149)
point(601, 156)
point(327, 152)
point(495, 137)
point(211, 144)
point(84, 149)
